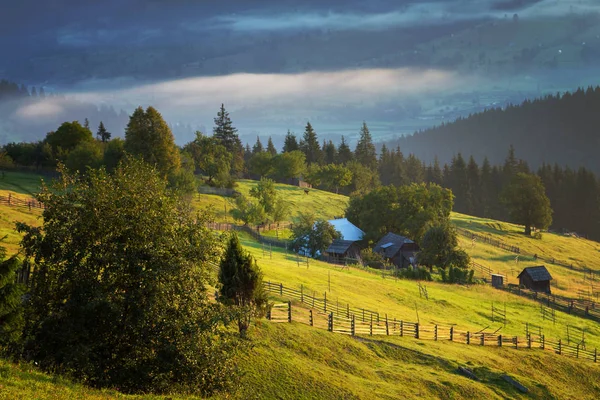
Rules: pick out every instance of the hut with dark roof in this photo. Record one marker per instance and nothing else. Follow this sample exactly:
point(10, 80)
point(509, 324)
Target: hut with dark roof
point(340, 250)
point(536, 279)
point(400, 250)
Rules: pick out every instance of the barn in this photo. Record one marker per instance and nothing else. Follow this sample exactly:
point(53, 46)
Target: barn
point(535, 278)
point(400, 250)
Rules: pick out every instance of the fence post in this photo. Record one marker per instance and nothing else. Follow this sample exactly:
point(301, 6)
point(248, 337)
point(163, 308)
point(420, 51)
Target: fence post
point(595, 355)
point(499, 340)
point(516, 342)
point(387, 327)
point(371, 326)
point(577, 350)
point(301, 293)
point(529, 341)
point(435, 333)
point(451, 333)
point(281, 289)
point(468, 337)
point(417, 330)
point(310, 316)
point(353, 326)
point(269, 313)
point(543, 342)
point(482, 338)
point(289, 311)
point(401, 328)
point(559, 346)
point(330, 322)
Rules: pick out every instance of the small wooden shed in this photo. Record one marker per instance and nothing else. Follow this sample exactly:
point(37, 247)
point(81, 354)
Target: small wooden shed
point(535, 278)
point(340, 250)
point(497, 280)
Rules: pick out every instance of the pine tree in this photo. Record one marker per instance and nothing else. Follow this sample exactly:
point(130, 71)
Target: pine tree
point(258, 147)
point(474, 182)
point(365, 152)
point(344, 154)
point(226, 134)
point(436, 172)
point(11, 306)
point(329, 152)
point(86, 124)
point(240, 280)
point(310, 146)
point(102, 133)
point(290, 144)
point(271, 147)
point(459, 183)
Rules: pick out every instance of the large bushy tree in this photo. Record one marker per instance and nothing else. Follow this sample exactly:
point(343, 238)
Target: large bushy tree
point(311, 235)
point(211, 158)
point(148, 136)
point(68, 136)
point(119, 289)
point(405, 210)
point(439, 247)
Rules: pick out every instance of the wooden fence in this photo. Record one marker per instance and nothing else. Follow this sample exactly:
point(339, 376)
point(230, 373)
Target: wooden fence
point(252, 232)
point(14, 201)
point(217, 191)
point(321, 313)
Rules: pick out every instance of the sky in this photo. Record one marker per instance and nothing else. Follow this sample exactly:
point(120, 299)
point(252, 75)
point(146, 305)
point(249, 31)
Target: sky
point(34, 31)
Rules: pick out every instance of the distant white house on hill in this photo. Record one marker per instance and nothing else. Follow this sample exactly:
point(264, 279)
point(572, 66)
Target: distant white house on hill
point(347, 229)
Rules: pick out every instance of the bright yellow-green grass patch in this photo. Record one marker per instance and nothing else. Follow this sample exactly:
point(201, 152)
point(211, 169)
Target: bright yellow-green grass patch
point(323, 204)
point(469, 307)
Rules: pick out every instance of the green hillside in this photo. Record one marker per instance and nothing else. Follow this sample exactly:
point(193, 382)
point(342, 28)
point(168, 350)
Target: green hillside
point(305, 362)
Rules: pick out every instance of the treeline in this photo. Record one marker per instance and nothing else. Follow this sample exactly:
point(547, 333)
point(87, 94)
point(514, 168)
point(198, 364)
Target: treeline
point(221, 158)
point(557, 128)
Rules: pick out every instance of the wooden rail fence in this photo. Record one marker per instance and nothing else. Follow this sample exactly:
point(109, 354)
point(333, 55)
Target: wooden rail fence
point(323, 314)
point(14, 201)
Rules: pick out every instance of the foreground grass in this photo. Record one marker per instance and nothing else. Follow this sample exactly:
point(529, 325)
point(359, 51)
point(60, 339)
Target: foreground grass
point(294, 361)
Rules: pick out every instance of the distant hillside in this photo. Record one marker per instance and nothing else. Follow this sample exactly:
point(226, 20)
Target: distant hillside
point(559, 129)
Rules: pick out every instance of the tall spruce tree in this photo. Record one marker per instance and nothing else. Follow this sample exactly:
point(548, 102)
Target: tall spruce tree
point(102, 133)
point(258, 147)
point(365, 152)
point(329, 152)
point(271, 147)
point(310, 146)
point(291, 143)
point(226, 134)
point(344, 153)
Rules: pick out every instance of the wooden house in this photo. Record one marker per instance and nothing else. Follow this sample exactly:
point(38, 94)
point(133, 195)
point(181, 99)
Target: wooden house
point(535, 278)
point(397, 249)
point(340, 250)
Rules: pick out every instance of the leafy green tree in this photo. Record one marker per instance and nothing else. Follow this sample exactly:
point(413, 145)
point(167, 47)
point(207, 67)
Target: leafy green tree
point(311, 235)
point(334, 177)
point(210, 157)
point(148, 136)
point(68, 136)
point(310, 146)
point(365, 152)
point(102, 133)
point(86, 154)
point(114, 153)
point(290, 144)
point(281, 211)
point(527, 203)
point(261, 164)
point(118, 296)
point(344, 154)
point(289, 165)
point(266, 195)
point(439, 247)
point(11, 303)
point(241, 284)
point(406, 210)
point(226, 135)
point(363, 178)
point(271, 147)
point(248, 212)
